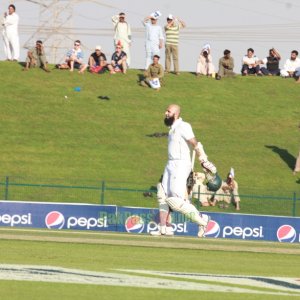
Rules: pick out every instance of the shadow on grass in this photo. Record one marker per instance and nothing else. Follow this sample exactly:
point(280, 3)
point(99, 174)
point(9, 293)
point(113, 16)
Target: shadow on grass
point(284, 154)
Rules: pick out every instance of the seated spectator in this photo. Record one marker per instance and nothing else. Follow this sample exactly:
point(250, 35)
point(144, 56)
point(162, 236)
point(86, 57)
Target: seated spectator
point(291, 64)
point(154, 74)
point(250, 64)
point(98, 63)
point(118, 60)
point(204, 64)
point(36, 57)
point(228, 192)
point(226, 65)
point(272, 63)
point(200, 190)
point(74, 59)
point(297, 75)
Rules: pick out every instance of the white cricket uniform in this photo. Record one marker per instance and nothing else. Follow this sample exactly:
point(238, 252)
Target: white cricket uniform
point(122, 34)
point(179, 163)
point(11, 36)
point(290, 66)
point(154, 34)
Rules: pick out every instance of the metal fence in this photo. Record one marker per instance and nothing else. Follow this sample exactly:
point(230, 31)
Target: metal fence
point(253, 201)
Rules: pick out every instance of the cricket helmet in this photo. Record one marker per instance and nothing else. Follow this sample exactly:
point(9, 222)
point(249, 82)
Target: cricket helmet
point(214, 183)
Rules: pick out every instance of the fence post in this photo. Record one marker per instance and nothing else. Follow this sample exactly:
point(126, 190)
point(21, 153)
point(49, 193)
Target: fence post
point(198, 202)
point(6, 187)
point(294, 204)
point(102, 191)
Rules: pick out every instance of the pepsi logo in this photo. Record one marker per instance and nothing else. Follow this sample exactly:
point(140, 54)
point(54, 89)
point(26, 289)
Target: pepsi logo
point(134, 224)
point(212, 229)
point(55, 220)
point(286, 233)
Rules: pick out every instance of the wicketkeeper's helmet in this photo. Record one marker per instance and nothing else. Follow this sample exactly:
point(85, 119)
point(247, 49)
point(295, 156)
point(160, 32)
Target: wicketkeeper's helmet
point(214, 182)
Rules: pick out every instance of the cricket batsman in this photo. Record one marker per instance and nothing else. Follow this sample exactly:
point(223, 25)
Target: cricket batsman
point(172, 191)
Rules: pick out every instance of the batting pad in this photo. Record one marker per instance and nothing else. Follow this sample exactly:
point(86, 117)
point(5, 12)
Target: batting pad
point(189, 210)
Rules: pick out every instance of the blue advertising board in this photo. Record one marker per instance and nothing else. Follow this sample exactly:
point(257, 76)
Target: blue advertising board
point(56, 215)
point(144, 220)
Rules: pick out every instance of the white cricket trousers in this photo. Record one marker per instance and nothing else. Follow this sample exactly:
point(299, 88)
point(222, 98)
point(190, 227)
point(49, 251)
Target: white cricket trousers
point(11, 45)
point(152, 48)
point(174, 178)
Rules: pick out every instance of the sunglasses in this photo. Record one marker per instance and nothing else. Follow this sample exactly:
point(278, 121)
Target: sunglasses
point(76, 44)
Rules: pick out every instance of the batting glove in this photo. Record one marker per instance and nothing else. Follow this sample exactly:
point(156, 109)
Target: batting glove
point(209, 167)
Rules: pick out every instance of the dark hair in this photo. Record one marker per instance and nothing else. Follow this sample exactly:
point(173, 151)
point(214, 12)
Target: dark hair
point(250, 49)
point(11, 5)
point(121, 14)
point(39, 42)
point(295, 51)
point(156, 56)
point(77, 41)
point(226, 51)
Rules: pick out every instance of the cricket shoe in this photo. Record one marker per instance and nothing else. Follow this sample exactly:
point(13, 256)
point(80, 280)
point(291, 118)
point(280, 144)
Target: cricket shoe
point(163, 230)
point(202, 228)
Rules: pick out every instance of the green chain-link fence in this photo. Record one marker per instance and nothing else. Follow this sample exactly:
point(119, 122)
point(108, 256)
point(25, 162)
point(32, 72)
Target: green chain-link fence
point(253, 201)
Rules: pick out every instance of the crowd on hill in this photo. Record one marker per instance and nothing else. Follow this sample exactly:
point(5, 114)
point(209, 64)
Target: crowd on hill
point(156, 38)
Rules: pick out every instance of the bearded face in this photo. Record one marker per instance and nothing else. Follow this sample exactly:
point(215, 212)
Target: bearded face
point(169, 120)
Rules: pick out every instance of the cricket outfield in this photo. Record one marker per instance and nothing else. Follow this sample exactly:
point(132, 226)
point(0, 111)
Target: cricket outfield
point(42, 264)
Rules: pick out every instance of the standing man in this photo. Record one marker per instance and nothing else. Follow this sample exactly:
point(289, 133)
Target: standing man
point(122, 34)
point(178, 168)
point(154, 37)
point(10, 34)
point(172, 37)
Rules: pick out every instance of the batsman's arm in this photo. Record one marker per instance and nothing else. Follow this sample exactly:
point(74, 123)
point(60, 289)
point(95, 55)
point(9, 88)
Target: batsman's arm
point(205, 163)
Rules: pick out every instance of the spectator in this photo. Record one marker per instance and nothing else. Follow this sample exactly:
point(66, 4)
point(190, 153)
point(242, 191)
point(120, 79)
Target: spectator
point(228, 192)
point(250, 64)
point(74, 58)
point(154, 74)
point(291, 64)
point(204, 64)
point(118, 60)
point(122, 34)
point(154, 37)
point(272, 63)
point(98, 63)
point(10, 34)
point(226, 65)
point(199, 186)
point(36, 57)
point(172, 37)
point(297, 75)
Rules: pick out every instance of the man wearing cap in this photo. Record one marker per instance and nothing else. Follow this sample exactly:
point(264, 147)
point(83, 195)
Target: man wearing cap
point(36, 57)
point(98, 63)
point(154, 37)
point(122, 34)
point(228, 192)
point(172, 37)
